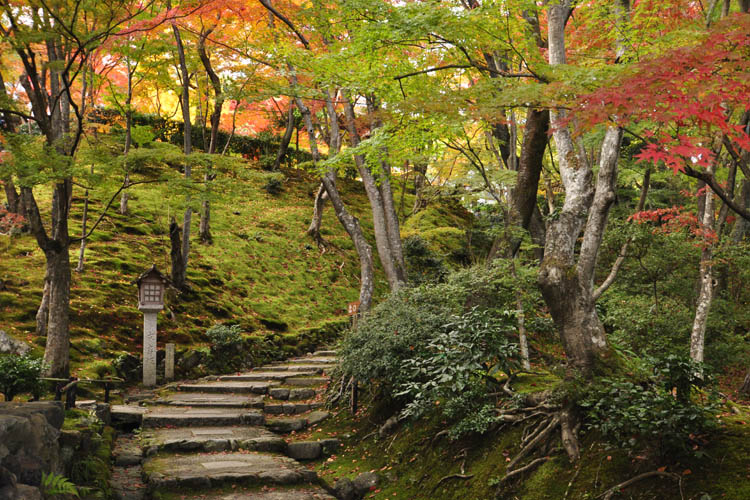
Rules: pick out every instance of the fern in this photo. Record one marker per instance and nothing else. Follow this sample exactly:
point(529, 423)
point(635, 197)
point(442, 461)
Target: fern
point(56, 484)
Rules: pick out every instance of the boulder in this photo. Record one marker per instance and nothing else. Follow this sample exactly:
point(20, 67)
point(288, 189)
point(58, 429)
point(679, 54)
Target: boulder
point(29, 445)
point(344, 489)
point(304, 450)
point(365, 482)
point(9, 345)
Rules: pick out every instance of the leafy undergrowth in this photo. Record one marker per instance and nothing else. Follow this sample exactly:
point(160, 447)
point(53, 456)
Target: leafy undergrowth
point(417, 463)
point(261, 271)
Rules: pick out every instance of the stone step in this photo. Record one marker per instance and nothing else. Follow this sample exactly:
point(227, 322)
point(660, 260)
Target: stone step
point(314, 360)
point(263, 375)
point(206, 417)
point(311, 450)
point(127, 415)
point(203, 471)
point(263, 493)
point(127, 451)
point(324, 353)
point(291, 394)
point(271, 408)
point(212, 400)
point(211, 439)
point(229, 387)
point(285, 425)
point(307, 369)
point(127, 484)
point(307, 381)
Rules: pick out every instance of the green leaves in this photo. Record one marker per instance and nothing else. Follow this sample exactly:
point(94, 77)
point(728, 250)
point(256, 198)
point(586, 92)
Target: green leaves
point(20, 374)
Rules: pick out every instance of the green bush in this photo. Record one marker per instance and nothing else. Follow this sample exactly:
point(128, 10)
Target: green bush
point(222, 336)
point(20, 374)
point(658, 416)
point(423, 264)
point(456, 370)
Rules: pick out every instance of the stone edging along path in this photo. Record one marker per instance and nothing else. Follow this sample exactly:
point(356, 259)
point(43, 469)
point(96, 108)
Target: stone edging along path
point(227, 437)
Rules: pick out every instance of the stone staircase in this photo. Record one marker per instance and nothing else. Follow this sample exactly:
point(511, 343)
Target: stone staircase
point(227, 437)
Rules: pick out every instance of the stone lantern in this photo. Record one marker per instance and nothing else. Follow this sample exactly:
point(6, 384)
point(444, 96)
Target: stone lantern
point(151, 285)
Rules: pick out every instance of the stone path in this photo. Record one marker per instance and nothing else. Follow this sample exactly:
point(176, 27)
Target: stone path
point(227, 437)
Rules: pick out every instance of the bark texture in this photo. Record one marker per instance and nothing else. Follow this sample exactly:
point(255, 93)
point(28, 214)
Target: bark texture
point(567, 280)
point(706, 287)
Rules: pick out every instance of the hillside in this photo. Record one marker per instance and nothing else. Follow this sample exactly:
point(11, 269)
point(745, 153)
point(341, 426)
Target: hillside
point(262, 271)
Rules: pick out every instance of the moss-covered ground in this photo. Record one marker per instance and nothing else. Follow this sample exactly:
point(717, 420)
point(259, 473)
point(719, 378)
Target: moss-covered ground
point(262, 271)
point(418, 463)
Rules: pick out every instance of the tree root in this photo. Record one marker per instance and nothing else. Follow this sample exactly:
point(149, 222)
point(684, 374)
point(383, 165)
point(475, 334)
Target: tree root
point(531, 465)
point(540, 438)
point(607, 495)
point(451, 476)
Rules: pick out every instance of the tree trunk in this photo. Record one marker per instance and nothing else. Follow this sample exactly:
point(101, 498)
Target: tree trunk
point(567, 285)
point(745, 389)
point(391, 221)
point(706, 290)
point(350, 223)
point(364, 250)
point(180, 262)
point(741, 226)
point(14, 200)
point(317, 218)
point(286, 138)
point(382, 241)
point(56, 352)
point(420, 182)
point(42, 314)
point(128, 143)
point(178, 265)
point(84, 222)
point(204, 229)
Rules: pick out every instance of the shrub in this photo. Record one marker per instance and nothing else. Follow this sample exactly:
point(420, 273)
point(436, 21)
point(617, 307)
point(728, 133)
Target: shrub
point(456, 370)
point(222, 336)
point(423, 264)
point(20, 374)
point(658, 415)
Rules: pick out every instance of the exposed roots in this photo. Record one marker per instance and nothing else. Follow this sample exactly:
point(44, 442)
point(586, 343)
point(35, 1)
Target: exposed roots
point(607, 495)
point(542, 419)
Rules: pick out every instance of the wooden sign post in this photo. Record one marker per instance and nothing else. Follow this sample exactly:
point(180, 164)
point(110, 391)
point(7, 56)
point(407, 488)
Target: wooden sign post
point(354, 312)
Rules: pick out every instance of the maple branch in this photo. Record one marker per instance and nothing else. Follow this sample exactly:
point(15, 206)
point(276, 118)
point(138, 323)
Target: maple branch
point(464, 66)
point(624, 249)
point(285, 20)
point(710, 180)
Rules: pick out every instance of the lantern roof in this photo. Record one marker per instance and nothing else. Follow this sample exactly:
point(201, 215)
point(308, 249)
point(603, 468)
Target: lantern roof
point(152, 273)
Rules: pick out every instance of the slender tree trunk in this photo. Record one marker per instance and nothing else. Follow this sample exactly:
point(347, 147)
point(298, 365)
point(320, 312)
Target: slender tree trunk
point(364, 250)
point(706, 290)
point(84, 222)
point(14, 200)
point(745, 389)
point(382, 241)
point(128, 142)
point(42, 314)
point(317, 219)
point(175, 240)
point(180, 263)
point(204, 230)
point(420, 182)
point(286, 138)
point(741, 226)
point(391, 221)
point(350, 223)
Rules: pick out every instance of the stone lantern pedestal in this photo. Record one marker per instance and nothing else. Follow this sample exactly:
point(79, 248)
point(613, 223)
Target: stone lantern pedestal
point(149, 344)
point(151, 285)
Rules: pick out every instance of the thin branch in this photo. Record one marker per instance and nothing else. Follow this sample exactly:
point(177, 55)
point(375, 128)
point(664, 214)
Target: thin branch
point(124, 186)
point(285, 20)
